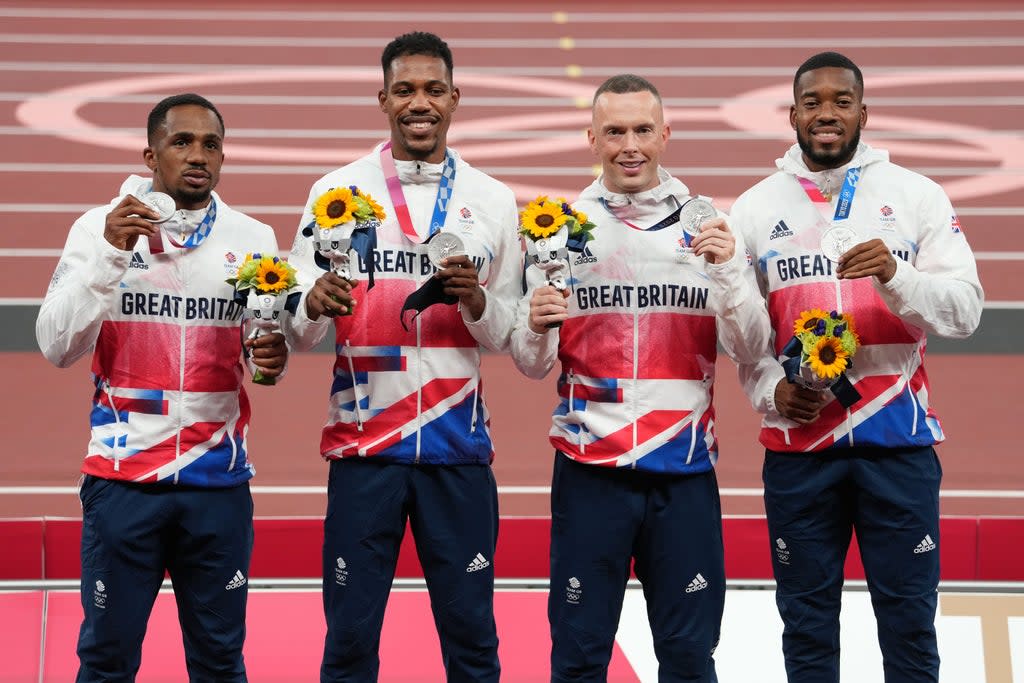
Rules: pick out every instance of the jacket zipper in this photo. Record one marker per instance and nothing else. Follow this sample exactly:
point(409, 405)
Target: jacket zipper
point(181, 381)
point(633, 389)
point(117, 423)
point(355, 384)
point(419, 390)
point(849, 413)
point(572, 409)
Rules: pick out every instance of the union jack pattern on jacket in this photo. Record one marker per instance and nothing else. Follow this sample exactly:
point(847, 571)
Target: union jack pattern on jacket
point(935, 290)
point(414, 395)
point(168, 404)
point(638, 351)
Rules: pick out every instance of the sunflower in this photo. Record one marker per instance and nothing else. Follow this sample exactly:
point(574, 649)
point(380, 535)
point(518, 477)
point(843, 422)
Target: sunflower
point(334, 207)
point(247, 271)
point(828, 359)
point(541, 218)
point(378, 210)
point(808, 320)
point(273, 275)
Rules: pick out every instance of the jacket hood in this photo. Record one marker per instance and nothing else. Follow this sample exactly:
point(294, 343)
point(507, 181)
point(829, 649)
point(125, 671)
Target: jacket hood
point(793, 163)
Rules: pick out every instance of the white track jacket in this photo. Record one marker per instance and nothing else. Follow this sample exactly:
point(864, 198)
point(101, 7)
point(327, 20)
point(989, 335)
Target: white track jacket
point(935, 290)
point(164, 332)
point(414, 396)
point(638, 350)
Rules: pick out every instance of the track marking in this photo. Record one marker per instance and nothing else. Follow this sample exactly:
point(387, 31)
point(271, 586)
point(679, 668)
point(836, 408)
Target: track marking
point(502, 18)
point(503, 490)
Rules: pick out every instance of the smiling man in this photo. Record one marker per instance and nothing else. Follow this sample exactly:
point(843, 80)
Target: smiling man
point(841, 228)
point(407, 429)
point(166, 473)
point(634, 483)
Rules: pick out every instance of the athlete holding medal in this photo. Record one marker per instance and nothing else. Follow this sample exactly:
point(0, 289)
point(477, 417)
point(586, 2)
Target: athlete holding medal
point(633, 430)
point(887, 252)
point(407, 430)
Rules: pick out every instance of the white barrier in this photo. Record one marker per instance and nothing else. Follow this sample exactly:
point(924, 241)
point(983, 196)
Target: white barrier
point(981, 638)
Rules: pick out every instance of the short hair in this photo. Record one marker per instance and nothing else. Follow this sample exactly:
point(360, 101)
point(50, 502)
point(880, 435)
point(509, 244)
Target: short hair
point(158, 116)
point(416, 43)
point(829, 59)
point(626, 83)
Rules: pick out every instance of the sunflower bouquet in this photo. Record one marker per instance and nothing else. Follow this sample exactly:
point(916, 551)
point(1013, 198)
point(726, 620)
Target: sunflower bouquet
point(821, 352)
point(550, 229)
point(261, 284)
point(542, 218)
point(341, 217)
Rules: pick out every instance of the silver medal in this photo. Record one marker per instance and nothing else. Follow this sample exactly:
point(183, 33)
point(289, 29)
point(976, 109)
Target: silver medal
point(161, 203)
point(444, 245)
point(836, 241)
point(694, 213)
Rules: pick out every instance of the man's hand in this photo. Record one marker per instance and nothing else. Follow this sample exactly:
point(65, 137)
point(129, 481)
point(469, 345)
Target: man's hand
point(460, 279)
point(798, 403)
point(127, 221)
point(715, 242)
point(269, 353)
point(865, 259)
point(548, 307)
point(330, 295)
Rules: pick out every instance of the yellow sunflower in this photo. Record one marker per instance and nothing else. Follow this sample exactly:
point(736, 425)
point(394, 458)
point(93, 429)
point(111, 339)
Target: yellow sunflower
point(541, 218)
point(828, 359)
point(378, 210)
point(334, 207)
point(272, 276)
point(808, 320)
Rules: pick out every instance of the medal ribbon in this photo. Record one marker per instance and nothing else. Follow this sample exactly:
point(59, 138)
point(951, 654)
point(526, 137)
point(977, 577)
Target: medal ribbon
point(842, 212)
point(444, 192)
point(668, 220)
point(201, 232)
point(196, 238)
point(845, 203)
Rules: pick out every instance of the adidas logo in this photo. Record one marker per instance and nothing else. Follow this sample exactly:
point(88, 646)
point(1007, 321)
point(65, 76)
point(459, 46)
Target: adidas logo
point(478, 563)
point(699, 583)
point(137, 261)
point(780, 230)
point(237, 581)
point(926, 545)
point(586, 256)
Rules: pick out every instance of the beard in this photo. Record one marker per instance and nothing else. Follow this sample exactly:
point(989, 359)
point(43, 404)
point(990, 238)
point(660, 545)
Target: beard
point(828, 158)
point(194, 196)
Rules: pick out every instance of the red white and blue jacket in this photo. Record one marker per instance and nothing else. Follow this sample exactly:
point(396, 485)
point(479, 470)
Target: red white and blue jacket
point(638, 350)
point(414, 396)
point(935, 290)
point(164, 332)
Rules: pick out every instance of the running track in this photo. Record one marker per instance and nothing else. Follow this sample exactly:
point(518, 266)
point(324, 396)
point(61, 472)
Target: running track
point(297, 88)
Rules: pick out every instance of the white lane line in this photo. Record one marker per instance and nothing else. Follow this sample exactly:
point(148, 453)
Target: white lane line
point(745, 72)
point(308, 42)
point(525, 134)
point(504, 490)
point(502, 18)
point(519, 171)
point(560, 102)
